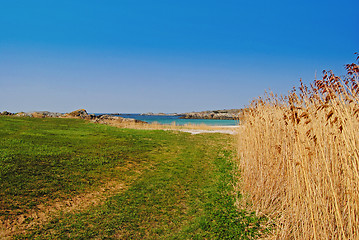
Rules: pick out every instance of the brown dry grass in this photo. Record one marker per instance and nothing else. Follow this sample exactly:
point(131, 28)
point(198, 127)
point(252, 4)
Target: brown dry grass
point(125, 123)
point(299, 159)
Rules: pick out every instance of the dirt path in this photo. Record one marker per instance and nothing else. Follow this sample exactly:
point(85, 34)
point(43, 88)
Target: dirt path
point(44, 212)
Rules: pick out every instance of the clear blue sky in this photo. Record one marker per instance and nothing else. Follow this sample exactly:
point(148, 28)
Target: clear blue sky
point(166, 56)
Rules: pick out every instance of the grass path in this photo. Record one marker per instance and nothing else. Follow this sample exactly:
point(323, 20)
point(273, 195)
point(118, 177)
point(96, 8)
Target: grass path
point(173, 185)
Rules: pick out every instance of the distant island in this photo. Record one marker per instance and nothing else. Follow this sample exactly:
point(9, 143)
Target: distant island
point(160, 114)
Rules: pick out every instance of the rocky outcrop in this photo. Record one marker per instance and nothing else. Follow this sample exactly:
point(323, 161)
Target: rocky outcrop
point(39, 114)
point(45, 114)
point(102, 119)
point(23, 114)
point(80, 113)
point(6, 113)
point(231, 114)
point(107, 119)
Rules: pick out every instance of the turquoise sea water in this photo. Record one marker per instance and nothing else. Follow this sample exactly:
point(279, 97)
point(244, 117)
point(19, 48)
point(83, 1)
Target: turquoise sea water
point(178, 121)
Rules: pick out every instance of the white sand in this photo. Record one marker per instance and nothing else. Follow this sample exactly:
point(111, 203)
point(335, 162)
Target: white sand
point(225, 129)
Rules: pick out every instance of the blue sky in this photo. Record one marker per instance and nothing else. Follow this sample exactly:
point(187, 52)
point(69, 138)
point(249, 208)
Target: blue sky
point(166, 56)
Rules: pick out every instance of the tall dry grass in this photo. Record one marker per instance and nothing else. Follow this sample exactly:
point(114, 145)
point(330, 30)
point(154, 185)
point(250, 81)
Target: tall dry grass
point(299, 158)
point(121, 123)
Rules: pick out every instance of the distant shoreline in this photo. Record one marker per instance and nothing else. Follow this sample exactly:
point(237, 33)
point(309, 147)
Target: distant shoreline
point(229, 114)
point(209, 118)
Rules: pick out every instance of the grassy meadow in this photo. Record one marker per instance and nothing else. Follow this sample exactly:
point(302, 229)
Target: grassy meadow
point(71, 179)
point(294, 163)
point(300, 161)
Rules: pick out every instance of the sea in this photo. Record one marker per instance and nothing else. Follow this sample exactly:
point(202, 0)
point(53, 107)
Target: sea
point(175, 119)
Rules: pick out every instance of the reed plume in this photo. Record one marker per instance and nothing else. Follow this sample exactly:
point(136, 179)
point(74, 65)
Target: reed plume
point(299, 158)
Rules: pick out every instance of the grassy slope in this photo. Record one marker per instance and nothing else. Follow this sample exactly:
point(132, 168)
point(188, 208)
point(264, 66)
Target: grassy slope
point(179, 185)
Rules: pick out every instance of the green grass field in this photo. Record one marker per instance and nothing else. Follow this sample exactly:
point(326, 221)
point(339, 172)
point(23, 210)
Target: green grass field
point(69, 179)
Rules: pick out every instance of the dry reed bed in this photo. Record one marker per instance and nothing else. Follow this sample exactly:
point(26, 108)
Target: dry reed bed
point(299, 159)
point(157, 126)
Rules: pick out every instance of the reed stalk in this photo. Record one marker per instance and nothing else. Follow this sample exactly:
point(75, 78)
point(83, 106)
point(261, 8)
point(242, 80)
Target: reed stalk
point(299, 158)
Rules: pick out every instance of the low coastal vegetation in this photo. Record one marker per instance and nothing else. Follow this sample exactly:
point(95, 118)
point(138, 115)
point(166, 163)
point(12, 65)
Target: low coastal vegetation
point(299, 159)
point(64, 178)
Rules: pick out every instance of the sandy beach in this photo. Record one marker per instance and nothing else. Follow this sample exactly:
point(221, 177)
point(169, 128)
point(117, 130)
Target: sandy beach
point(218, 129)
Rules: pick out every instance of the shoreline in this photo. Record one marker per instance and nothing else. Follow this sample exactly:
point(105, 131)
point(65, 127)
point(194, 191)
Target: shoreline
point(215, 129)
point(132, 123)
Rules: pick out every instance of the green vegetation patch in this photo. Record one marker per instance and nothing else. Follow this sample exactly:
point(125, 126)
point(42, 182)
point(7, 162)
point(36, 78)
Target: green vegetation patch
point(43, 159)
point(179, 186)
